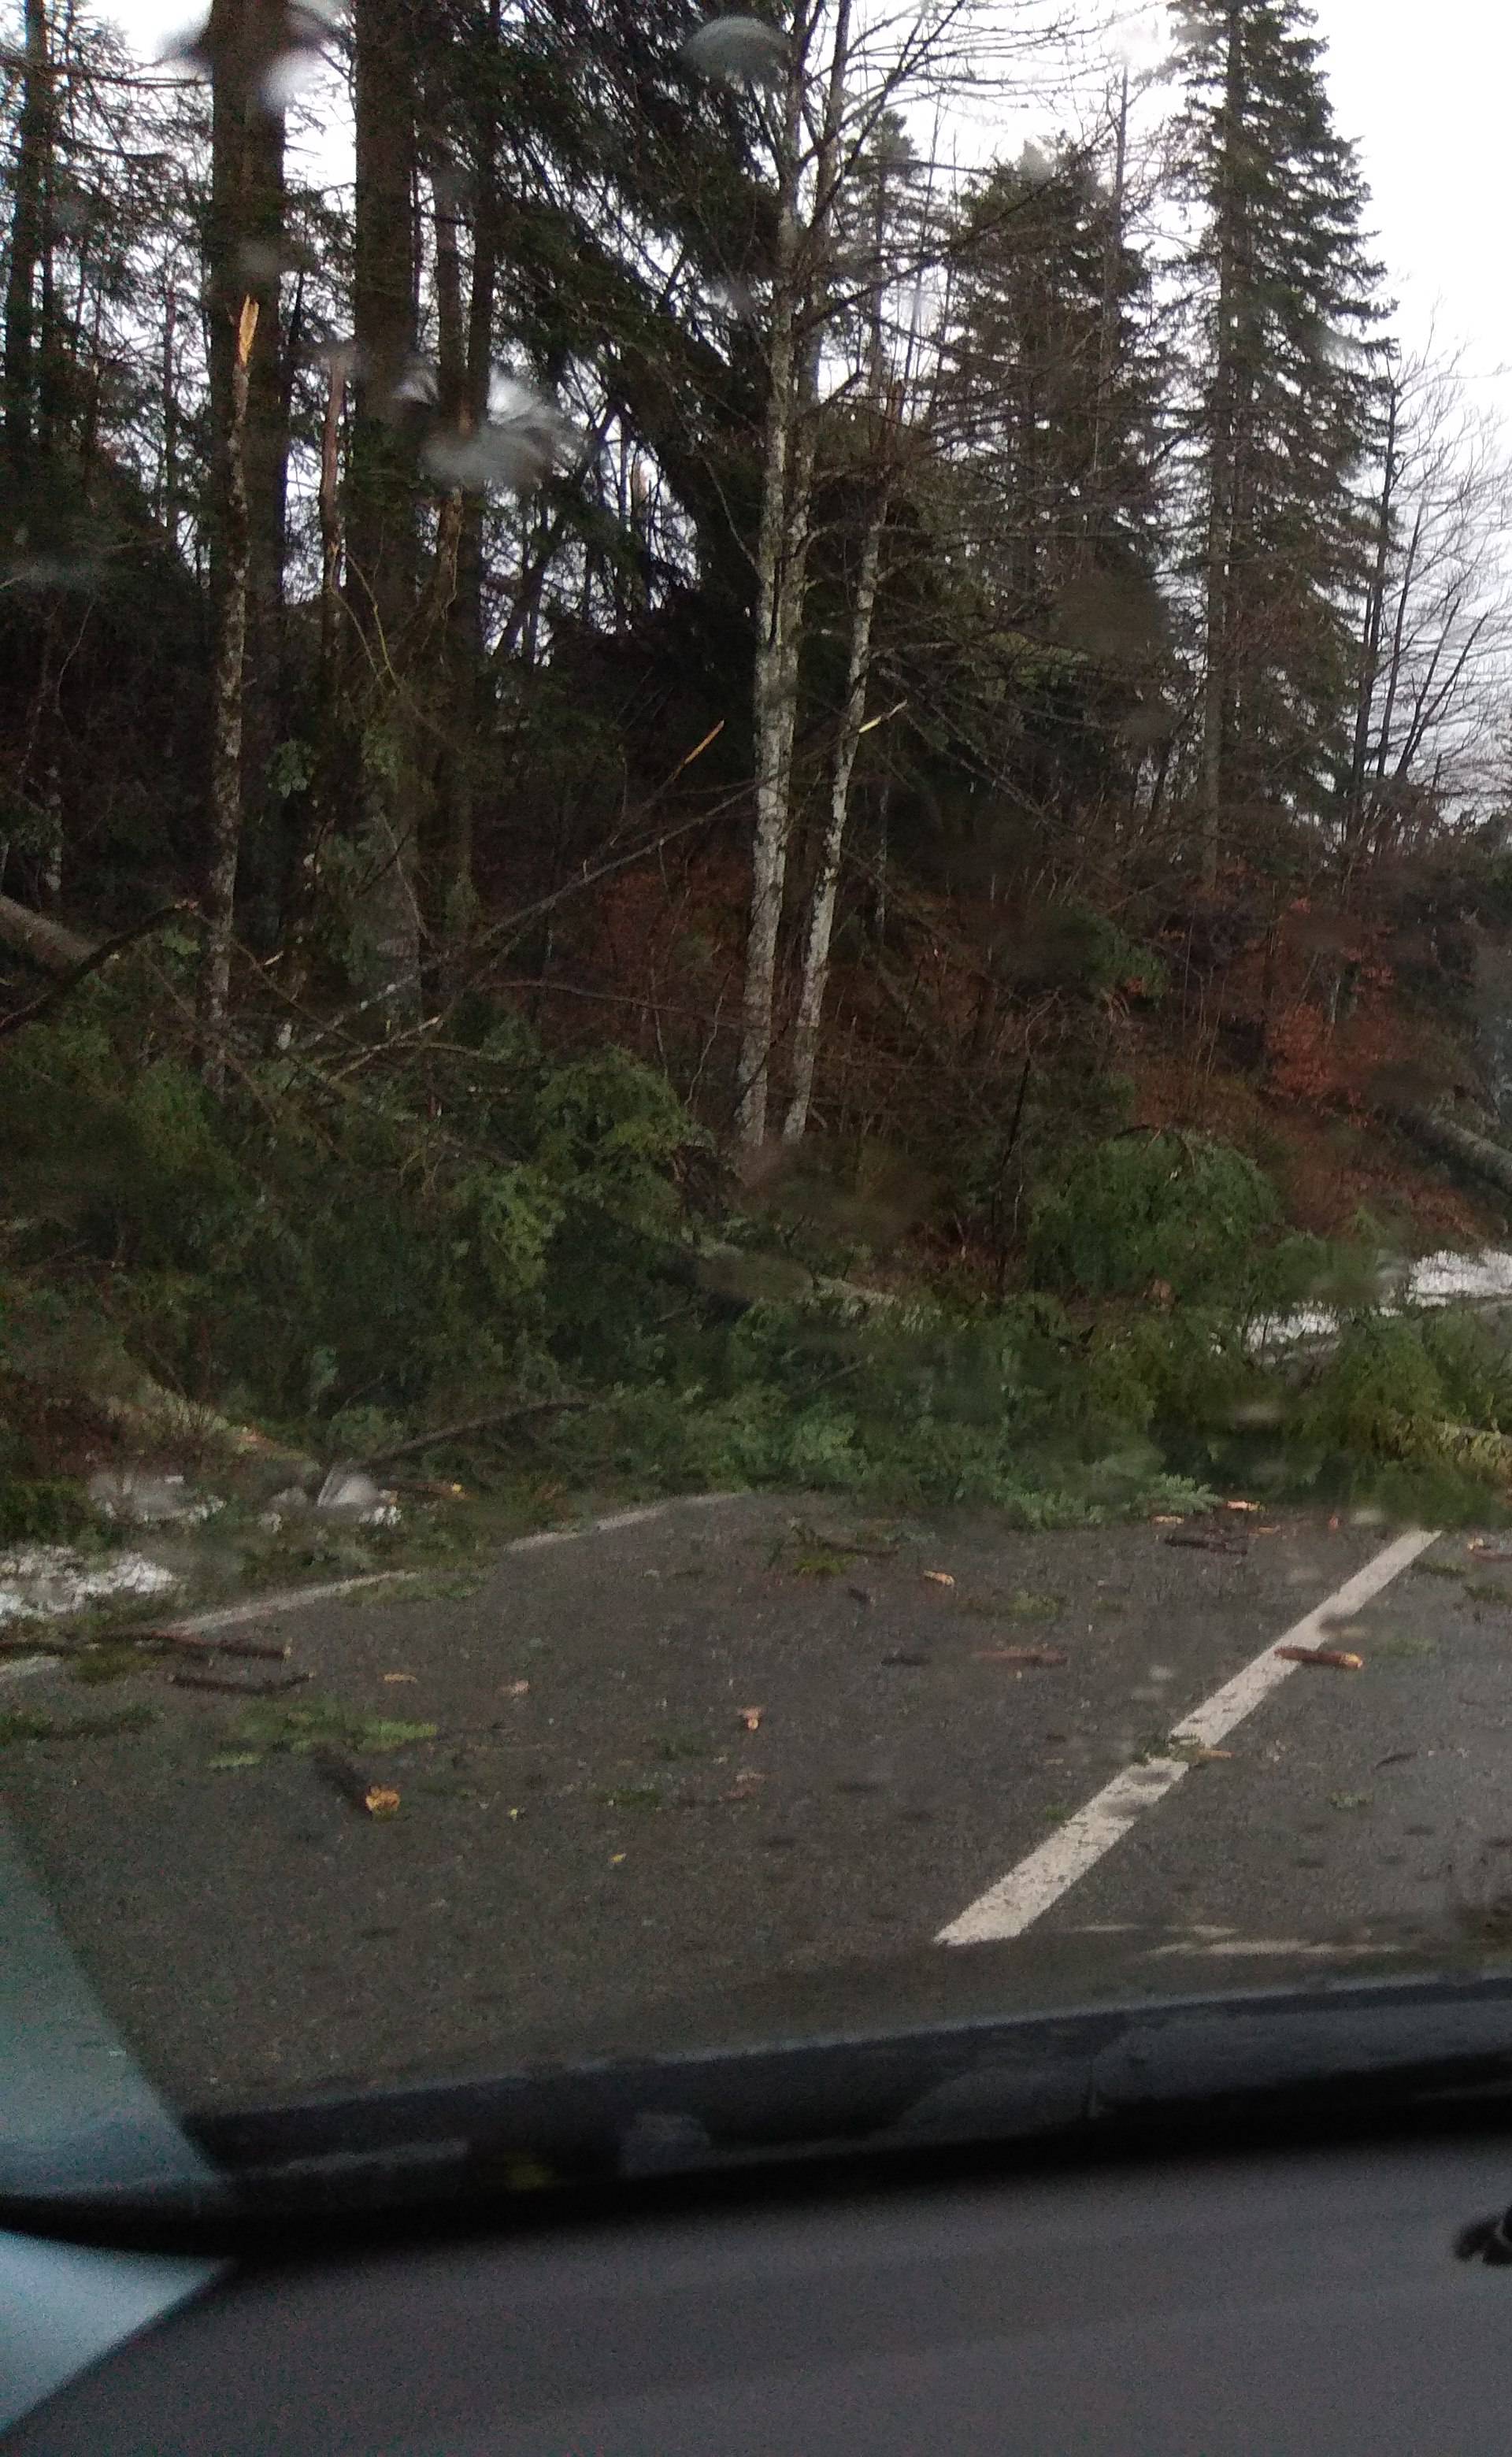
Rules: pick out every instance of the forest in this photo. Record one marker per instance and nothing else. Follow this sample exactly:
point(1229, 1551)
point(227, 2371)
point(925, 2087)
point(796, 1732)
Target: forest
point(708, 774)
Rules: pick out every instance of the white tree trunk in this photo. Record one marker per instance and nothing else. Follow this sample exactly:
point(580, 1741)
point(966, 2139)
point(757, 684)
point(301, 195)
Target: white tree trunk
point(826, 878)
point(782, 545)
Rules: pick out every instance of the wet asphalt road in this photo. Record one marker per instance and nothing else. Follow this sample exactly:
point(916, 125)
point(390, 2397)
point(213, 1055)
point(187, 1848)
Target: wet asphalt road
point(599, 1825)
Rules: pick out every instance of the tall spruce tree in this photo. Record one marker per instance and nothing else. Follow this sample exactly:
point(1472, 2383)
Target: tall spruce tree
point(1284, 300)
point(1051, 374)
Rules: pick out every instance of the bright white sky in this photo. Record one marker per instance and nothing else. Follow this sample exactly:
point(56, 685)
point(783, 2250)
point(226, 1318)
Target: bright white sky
point(1423, 91)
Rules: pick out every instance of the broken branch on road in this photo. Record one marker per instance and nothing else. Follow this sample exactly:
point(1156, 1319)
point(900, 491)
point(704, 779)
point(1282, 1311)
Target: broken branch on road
point(358, 1789)
point(196, 1642)
point(1336, 1658)
point(240, 1688)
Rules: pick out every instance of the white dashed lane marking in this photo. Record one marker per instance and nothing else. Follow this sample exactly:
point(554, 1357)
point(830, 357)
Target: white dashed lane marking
point(1028, 1892)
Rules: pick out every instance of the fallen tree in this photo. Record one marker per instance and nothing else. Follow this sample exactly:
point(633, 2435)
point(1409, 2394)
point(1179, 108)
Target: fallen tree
point(43, 943)
point(1451, 1141)
point(71, 959)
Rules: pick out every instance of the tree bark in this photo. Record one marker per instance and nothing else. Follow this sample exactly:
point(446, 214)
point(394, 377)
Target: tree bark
point(822, 908)
point(226, 716)
point(249, 462)
point(788, 452)
point(1222, 443)
point(33, 144)
point(42, 941)
point(1369, 646)
point(314, 817)
point(1108, 312)
point(382, 534)
point(454, 647)
point(266, 462)
point(1457, 1143)
point(814, 974)
point(168, 493)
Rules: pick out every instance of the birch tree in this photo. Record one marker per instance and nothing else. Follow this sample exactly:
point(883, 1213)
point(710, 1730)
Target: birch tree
point(840, 74)
point(801, 155)
point(878, 438)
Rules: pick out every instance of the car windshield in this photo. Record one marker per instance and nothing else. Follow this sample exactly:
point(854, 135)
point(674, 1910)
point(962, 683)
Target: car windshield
point(755, 1016)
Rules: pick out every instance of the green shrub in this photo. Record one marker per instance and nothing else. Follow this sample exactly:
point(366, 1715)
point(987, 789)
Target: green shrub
point(1378, 1397)
point(1148, 1208)
point(1469, 1354)
point(41, 1510)
point(330, 1240)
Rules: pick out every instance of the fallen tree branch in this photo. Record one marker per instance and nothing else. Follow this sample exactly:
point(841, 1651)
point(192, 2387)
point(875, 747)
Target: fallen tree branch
point(240, 1688)
point(455, 1432)
point(90, 963)
point(1453, 1142)
point(192, 1644)
point(164, 1642)
point(42, 941)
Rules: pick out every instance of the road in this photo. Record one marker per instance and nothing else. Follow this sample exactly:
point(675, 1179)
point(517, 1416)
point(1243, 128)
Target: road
point(679, 1751)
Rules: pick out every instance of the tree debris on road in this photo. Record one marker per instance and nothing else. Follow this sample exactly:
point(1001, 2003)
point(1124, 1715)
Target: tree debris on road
point(240, 1688)
point(1337, 1659)
point(198, 1642)
point(357, 1788)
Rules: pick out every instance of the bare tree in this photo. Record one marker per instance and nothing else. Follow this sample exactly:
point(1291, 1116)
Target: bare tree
point(842, 77)
point(879, 431)
point(788, 454)
point(1437, 626)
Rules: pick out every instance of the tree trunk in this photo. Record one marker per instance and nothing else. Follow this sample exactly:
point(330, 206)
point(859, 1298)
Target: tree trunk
point(782, 544)
point(887, 411)
point(34, 143)
point(1394, 669)
point(266, 459)
point(168, 497)
point(381, 535)
point(226, 715)
point(1222, 443)
point(454, 647)
point(1370, 645)
point(1457, 1143)
point(42, 941)
point(822, 908)
point(314, 811)
point(249, 462)
point(1107, 313)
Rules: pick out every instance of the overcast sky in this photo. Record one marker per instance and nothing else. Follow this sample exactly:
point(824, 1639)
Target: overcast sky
point(1423, 90)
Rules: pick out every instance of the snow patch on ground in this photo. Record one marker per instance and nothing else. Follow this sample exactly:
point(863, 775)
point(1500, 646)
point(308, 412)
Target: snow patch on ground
point(38, 1581)
point(1448, 1279)
point(1444, 1278)
point(133, 1493)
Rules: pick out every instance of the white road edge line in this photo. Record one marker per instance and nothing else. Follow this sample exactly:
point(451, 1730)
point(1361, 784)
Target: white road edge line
point(1019, 1898)
point(290, 1598)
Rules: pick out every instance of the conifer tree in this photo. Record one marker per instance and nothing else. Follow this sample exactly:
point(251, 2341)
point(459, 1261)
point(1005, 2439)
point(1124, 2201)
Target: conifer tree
point(1283, 298)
